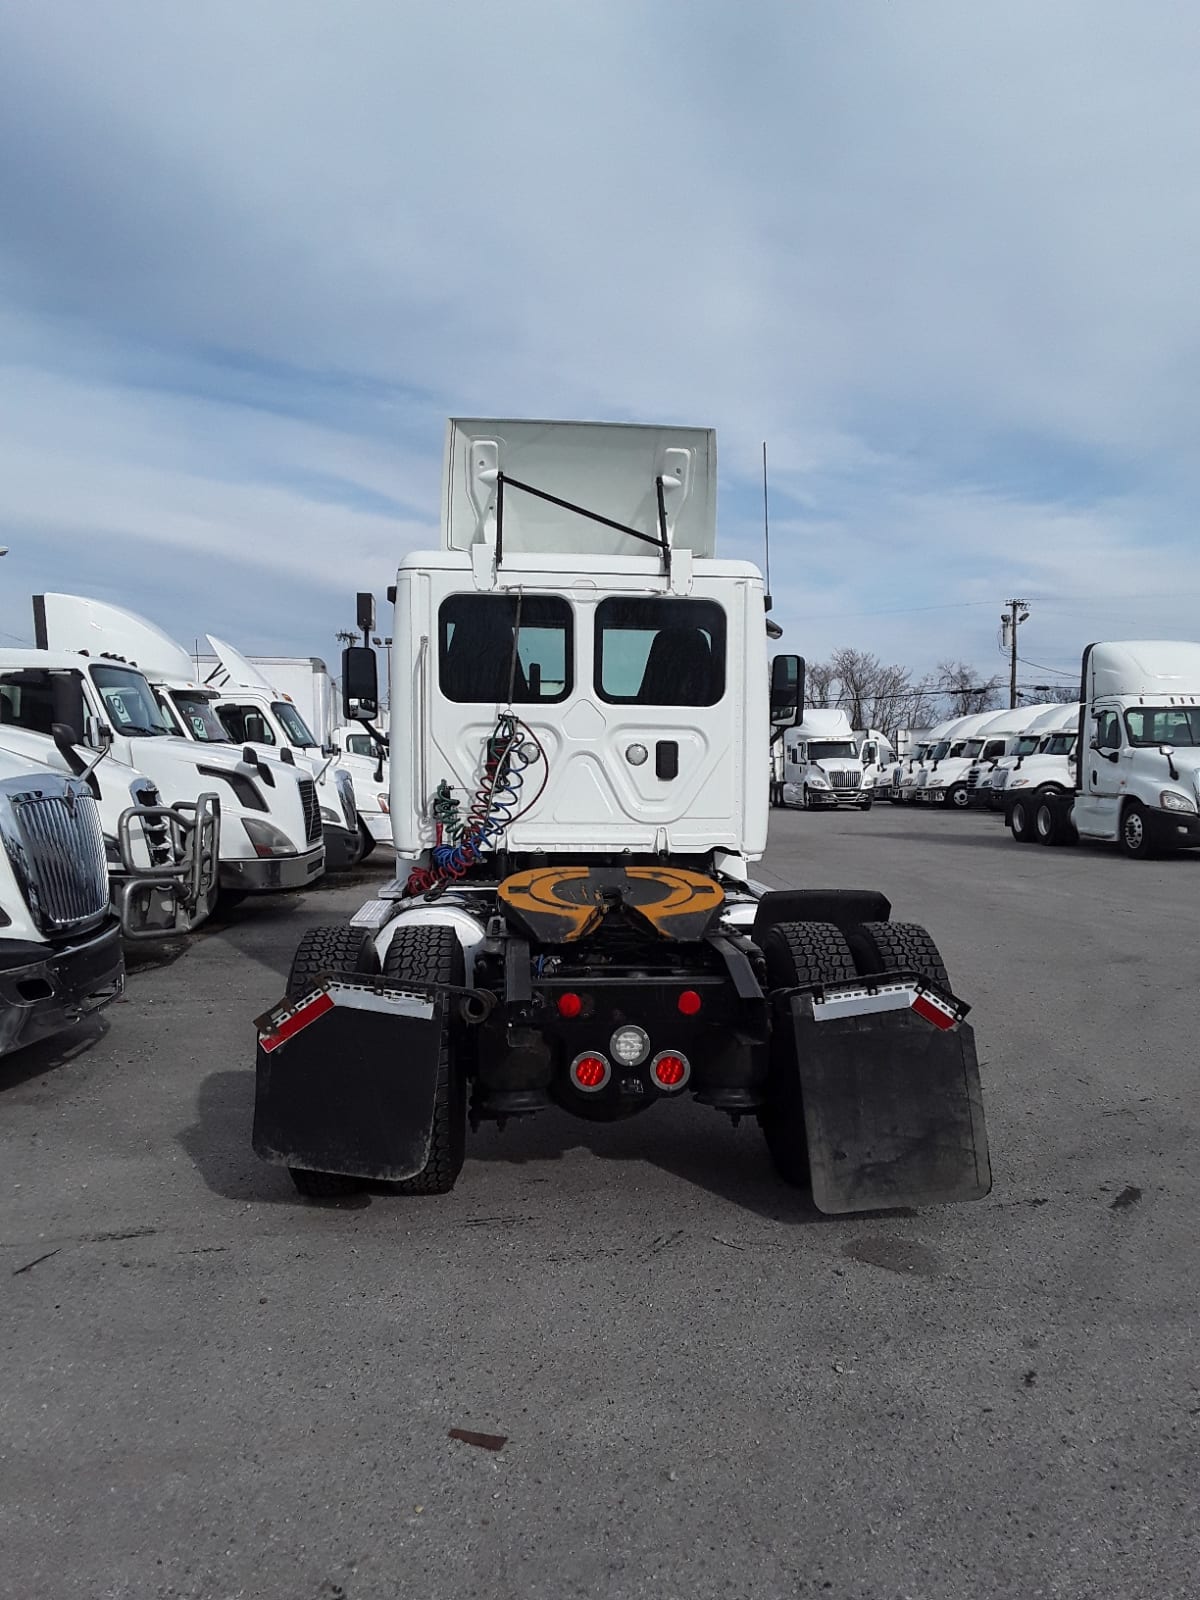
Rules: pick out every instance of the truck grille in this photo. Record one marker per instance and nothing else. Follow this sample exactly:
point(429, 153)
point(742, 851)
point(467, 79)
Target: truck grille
point(312, 810)
point(845, 780)
point(1000, 778)
point(973, 778)
point(56, 846)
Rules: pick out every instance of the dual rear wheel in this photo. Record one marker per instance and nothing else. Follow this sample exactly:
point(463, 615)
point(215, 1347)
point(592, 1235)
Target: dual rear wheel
point(800, 954)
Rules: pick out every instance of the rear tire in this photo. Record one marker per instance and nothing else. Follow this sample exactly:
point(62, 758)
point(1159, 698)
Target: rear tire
point(1021, 820)
point(796, 954)
point(899, 947)
point(432, 954)
point(1051, 823)
point(331, 949)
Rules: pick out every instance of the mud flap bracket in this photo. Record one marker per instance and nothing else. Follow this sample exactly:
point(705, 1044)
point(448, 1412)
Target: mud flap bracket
point(889, 1080)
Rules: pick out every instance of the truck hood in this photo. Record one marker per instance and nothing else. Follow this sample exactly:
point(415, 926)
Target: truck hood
point(609, 468)
point(237, 669)
point(94, 627)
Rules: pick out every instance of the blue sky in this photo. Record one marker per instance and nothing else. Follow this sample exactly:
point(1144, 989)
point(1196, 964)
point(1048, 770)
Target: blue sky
point(941, 256)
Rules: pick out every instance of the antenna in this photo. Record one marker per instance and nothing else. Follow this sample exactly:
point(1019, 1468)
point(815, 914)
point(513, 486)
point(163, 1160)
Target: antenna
point(766, 531)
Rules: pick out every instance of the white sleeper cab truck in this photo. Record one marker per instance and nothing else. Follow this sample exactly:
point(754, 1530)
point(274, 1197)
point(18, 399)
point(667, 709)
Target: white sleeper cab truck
point(162, 860)
point(909, 776)
point(1049, 770)
point(877, 755)
point(60, 943)
point(584, 689)
point(821, 764)
point(1013, 735)
point(190, 709)
point(946, 780)
point(270, 836)
point(1137, 758)
point(257, 713)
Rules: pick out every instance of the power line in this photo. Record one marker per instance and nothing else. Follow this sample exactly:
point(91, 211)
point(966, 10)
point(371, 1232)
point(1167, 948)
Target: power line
point(1038, 667)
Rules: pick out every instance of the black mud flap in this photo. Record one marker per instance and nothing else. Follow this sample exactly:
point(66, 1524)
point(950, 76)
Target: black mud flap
point(346, 1079)
point(892, 1103)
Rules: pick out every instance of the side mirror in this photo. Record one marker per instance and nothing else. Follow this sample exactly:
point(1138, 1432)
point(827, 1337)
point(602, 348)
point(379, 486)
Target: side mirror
point(787, 691)
point(360, 683)
point(330, 750)
point(1168, 750)
point(65, 739)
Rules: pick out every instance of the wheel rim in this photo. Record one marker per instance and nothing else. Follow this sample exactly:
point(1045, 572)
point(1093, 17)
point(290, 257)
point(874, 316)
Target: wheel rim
point(1135, 831)
point(959, 797)
point(1018, 817)
point(1043, 823)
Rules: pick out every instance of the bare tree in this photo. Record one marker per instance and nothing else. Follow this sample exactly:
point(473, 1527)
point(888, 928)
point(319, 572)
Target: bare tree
point(1051, 695)
point(872, 693)
point(819, 683)
point(963, 691)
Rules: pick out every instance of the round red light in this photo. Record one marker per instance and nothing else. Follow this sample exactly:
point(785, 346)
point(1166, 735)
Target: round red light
point(569, 1005)
point(689, 1003)
point(670, 1070)
point(590, 1071)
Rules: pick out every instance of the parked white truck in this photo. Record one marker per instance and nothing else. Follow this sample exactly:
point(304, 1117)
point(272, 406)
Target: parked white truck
point(270, 837)
point(1050, 769)
point(945, 777)
point(1010, 743)
point(188, 710)
point(1137, 767)
point(583, 686)
point(821, 763)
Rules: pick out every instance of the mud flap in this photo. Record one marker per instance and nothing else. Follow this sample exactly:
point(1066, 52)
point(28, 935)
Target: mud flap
point(346, 1079)
point(892, 1104)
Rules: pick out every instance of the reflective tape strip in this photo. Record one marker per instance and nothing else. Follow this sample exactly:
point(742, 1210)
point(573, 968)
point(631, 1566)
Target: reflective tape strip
point(934, 1010)
point(308, 1011)
point(278, 1026)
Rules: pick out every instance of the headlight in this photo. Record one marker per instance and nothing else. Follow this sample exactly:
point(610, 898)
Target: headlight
point(328, 814)
point(819, 783)
point(267, 839)
point(1172, 800)
point(1018, 783)
point(936, 783)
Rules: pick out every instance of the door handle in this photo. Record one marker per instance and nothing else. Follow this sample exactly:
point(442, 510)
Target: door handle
point(666, 759)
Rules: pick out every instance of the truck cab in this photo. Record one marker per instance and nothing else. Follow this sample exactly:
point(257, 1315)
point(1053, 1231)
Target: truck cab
point(821, 763)
point(1009, 738)
point(583, 686)
point(1051, 766)
point(270, 837)
point(946, 777)
point(1137, 758)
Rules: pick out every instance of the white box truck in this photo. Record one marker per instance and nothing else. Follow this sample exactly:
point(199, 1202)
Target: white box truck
point(583, 685)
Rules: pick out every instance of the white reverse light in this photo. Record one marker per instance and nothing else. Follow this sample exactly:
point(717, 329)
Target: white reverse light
point(630, 1045)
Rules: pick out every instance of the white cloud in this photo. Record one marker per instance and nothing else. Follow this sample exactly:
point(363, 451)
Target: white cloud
point(940, 255)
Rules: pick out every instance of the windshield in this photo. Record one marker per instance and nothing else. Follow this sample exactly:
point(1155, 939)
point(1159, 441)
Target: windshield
point(129, 702)
point(1060, 744)
point(294, 724)
point(972, 748)
point(1155, 725)
point(939, 750)
point(200, 721)
point(831, 750)
point(1027, 744)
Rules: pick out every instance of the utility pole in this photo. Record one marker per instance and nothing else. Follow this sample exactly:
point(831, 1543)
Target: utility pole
point(1016, 613)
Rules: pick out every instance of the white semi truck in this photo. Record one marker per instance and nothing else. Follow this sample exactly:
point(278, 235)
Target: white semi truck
point(583, 686)
point(821, 763)
point(270, 836)
point(1137, 758)
point(1048, 769)
point(189, 709)
point(1013, 734)
point(945, 780)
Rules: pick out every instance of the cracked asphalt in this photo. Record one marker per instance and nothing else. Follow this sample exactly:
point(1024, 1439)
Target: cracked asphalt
point(214, 1390)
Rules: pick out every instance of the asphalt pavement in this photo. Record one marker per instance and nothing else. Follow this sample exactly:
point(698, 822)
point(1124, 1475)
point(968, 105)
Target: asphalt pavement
point(212, 1389)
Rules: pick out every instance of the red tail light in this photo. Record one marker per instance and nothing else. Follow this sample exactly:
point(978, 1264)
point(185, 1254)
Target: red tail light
point(688, 1003)
point(569, 1005)
point(590, 1072)
point(670, 1070)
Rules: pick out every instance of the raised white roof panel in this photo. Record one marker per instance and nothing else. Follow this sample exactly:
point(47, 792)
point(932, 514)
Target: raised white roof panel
point(1159, 667)
point(73, 622)
point(607, 467)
